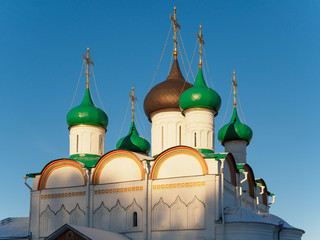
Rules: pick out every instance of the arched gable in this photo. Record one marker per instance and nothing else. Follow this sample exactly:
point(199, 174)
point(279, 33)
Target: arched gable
point(118, 166)
point(265, 190)
point(61, 173)
point(231, 174)
point(251, 179)
point(179, 161)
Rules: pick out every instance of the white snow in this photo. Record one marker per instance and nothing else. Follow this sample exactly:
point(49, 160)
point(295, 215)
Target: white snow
point(14, 227)
point(97, 234)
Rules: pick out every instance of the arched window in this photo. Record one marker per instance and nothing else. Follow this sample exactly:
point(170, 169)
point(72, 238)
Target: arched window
point(77, 144)
point(162, 138)
point(135, 219)
point(100, 144)
point(179, 135)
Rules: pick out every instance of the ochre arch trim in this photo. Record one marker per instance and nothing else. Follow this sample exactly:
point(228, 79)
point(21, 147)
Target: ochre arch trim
point(177, 151)
point(232, 168)
point(54, 165)
point(111, 156)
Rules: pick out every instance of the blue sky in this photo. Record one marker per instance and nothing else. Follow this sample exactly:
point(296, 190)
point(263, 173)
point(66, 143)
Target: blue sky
point(272, 45)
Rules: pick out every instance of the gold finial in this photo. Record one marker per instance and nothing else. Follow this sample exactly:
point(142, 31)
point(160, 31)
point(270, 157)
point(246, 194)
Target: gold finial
point(88, 63)
point(235, 85)
point(133, 100)
point(201, 42)
point(176, 27)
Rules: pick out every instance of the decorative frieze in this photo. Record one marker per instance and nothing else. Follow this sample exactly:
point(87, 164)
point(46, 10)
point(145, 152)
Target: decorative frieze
point(178, 185)
point(63, 195)
point(118, 190)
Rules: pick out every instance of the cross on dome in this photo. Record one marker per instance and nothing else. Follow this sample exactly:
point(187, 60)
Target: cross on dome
point(201, 42)
point(235, 85)
point(88, 63)
point(176, 27)
point(133, 100)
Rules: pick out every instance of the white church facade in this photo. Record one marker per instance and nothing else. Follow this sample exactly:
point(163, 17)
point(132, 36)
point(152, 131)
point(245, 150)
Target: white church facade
point(182, 189)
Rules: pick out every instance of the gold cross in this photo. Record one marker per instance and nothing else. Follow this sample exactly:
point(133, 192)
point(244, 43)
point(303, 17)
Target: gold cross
point(88, 63)
point(133, 100)
point(176, 27)
point(201, 42)
point(235, 85)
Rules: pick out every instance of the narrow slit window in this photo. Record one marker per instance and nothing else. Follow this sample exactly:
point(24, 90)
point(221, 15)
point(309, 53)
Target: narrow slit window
point(161, 138)
point(77, 144)
point(195, 139)
point(100, 144)
point(135, 219)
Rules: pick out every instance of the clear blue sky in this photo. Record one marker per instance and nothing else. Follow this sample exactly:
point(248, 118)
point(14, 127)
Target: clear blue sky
point(273, 46)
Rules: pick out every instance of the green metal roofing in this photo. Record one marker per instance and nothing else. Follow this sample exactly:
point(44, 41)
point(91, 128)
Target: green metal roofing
point(86, 113)
point(89, 160)
point(200, 96)
point(133, 142)
point(32, 175)
point(235, 130)
point(204, 151)
point(216, 156)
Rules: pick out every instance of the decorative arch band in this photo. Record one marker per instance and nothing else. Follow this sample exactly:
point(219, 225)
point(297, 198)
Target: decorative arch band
point(111, 156)
point(232, 168)
point(54, 165)
point(251, 179)
point(174, 152)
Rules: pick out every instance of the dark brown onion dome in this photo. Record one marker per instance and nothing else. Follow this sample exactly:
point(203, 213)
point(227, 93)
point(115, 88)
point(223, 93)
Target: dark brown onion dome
point(166, 94)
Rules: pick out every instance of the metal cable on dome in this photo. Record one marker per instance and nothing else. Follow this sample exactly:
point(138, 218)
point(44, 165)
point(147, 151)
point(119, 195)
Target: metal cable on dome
point(74, 96)
point(224, 118)
point(124, 120)
point(184, 66)
point(185, 53)
point(205, 77)
point(147, 136)
point(205, 56)
point(160, 58)
point(194, 52)
point(241, 107)
point(95, 83)
point(170, 61)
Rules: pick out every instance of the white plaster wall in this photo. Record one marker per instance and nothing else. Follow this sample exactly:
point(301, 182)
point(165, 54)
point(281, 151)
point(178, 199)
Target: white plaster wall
point(245, 230)
point(165, 131)
point(180, 235)
point(178, 203)
point(290, 234)
point(65, 177)
point(57, 207)
point(200, 128)
point(114, 205)
point(180, 165)
point(230, 196)
point(213, 165)
point(91, 139)
point(35, 182)
point(120, 169)
point(238, 150)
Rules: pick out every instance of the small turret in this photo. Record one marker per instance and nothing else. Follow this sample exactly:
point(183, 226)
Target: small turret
point(133, 142)
point(235, 136)
point(87, 124)
point(161, 105)
point(200, 104)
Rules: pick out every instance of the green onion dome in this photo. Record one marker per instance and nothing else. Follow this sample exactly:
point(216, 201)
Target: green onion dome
point(86, 113)
point(200, 96)
point(133, 142)
point(166, 94)
point(235, 130)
